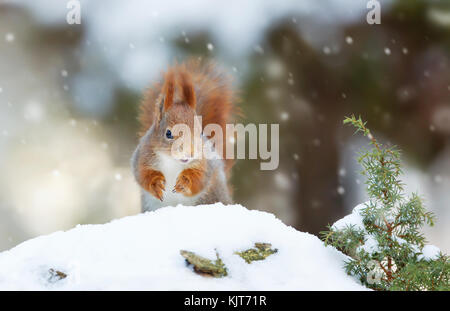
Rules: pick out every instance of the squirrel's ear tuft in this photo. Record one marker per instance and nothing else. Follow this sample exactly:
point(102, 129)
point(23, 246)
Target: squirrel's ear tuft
point(188, 88)
point(168, 90)
point(159, 108)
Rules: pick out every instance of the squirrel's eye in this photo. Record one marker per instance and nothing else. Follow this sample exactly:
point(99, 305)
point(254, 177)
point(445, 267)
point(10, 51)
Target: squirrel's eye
point(169, 134)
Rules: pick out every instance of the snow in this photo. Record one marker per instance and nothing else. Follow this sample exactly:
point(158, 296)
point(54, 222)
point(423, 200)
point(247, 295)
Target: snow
point(142, 253)
point(141, 21)
point(370, 245)
point(284, 116)
point(430, 252)
point(354, 219)
point(9, 37)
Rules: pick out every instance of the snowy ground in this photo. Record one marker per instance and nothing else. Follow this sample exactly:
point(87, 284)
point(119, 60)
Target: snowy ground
point(142, 253)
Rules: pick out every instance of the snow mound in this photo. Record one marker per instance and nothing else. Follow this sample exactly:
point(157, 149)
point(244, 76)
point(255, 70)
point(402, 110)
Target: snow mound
point(142, 252)
point(430, 252)
point(354, 219)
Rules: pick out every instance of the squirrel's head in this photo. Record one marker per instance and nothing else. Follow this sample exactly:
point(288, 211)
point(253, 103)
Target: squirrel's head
point(175, 108)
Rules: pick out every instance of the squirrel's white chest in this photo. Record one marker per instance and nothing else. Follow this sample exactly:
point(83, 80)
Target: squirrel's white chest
point(171, 168)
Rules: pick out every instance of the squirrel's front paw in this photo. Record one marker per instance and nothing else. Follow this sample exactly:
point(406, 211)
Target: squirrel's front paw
point(154, 182)
point(189, 182)
point(157, 188)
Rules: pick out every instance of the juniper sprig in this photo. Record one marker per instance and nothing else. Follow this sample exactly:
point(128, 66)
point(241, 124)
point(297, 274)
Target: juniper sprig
point(386, 252)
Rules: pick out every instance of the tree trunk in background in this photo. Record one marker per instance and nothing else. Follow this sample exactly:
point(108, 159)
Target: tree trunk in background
point(318, 201)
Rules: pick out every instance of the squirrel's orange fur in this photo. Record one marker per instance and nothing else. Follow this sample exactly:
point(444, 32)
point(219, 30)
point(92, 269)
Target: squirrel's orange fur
point(212, 87)
point(186, 90)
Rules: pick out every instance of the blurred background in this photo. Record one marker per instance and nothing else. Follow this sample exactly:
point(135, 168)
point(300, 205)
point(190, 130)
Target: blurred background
point(69, 96)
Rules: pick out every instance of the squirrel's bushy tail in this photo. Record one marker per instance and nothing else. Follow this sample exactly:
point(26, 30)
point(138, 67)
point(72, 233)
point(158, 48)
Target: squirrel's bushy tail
point(215, 99)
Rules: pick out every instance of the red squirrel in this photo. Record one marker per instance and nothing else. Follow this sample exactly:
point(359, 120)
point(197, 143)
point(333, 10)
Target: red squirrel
point(185, 91)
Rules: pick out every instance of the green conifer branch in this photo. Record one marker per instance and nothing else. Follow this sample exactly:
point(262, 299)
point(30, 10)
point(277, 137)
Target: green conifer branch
point(392, 228)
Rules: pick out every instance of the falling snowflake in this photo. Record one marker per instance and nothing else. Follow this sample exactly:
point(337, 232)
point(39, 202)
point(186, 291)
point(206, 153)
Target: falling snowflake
point(9, 37)
point(438, 179)
point(387, 51)
point(340, 190)
point(258, 49)
point(274, 68)
point(118, 177)
point(290, 79)
point(210, 46)
point(349, 40)
point(64, 73)
point(273, 93)
point(282, 181)
point(284, 116)
point(441, 119)
point(183, 34)
point(326, 50)
point(405, 51)
point(34, 111)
